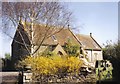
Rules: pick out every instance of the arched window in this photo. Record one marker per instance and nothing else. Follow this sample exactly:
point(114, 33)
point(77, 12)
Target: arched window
point(60, 53)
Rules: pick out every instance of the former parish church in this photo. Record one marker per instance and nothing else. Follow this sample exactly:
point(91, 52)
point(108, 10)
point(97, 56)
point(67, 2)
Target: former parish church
point(55, 42)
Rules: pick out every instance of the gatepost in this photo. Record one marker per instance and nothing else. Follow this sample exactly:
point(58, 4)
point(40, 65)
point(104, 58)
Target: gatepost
point(27, 75)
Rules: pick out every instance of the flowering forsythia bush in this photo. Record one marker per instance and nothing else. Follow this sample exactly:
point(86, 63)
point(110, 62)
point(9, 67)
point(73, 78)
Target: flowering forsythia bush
point(52, 65)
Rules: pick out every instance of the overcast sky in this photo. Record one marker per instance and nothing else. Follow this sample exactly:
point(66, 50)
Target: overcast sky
point(98, 18)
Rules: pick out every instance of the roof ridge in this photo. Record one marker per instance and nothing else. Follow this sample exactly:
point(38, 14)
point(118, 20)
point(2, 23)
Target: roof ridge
point(83, 34)
point(41, 24)
point(75, 36)
point(96, 42)
point(88, 39)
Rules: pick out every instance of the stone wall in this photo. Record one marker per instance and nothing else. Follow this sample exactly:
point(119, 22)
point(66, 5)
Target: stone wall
point(68, 79)
point(9, 77)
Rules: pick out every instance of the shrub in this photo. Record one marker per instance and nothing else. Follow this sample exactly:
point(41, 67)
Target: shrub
point(71, 49)
point(74, 64)
point(52, 65)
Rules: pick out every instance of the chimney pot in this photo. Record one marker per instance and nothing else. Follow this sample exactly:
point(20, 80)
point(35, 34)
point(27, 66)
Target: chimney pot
point(90, 34)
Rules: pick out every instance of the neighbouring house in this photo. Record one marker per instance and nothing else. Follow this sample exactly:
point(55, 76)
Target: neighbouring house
point(54, 43)
point(91, 48)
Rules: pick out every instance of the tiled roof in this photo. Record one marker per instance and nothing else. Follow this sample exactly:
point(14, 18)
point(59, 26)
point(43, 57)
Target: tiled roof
point(88, 42)
point(61, 37)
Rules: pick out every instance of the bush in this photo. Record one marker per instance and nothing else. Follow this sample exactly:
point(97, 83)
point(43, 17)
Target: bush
point(52, 65)
point(71, 49)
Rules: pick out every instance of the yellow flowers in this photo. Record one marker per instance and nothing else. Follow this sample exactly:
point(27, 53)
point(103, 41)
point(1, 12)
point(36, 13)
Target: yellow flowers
point(53, 64)
point(74, 64)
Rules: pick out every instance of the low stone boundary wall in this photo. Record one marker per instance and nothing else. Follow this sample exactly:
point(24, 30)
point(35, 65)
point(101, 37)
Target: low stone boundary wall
point(69, 79)
point(9, 77)
point(13, 78)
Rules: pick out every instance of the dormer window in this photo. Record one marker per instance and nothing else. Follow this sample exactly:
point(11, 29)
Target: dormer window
point(54, 37)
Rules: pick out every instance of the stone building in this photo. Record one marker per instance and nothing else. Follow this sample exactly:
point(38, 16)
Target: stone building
point(54, 43)
point(92, 50)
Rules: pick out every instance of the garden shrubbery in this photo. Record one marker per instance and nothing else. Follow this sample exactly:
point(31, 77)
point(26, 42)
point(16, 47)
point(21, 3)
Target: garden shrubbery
point(53, 65)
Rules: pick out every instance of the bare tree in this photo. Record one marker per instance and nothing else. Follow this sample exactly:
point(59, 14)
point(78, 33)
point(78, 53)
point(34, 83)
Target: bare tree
point(52, 15)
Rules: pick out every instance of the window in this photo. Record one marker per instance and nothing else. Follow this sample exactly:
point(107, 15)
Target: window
point(60, 53)
point(96, 56)
point(54, 38)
